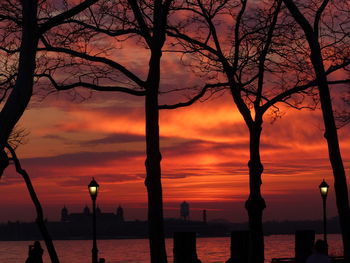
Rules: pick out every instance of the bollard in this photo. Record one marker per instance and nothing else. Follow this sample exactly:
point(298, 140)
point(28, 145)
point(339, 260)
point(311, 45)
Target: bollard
point(185, 247)
point(239, 247)
point(304, 241)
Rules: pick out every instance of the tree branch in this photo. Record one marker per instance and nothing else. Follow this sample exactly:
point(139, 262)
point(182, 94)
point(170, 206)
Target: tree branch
point(263, 55)
point(57, 20)
point(299, 17)
point(10, 18)
point(192, 100)
point(318, 17)
point(111, 33)
point(190, 40)
point(92, 86)
point(102, 60)
point(297, 89)
point(39, 210)
point(141, 22)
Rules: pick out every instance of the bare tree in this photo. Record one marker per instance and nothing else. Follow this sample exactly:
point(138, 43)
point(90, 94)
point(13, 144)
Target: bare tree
point(264, 63)
point(23, 16)
point(94, 68)
point(17, 137)
point(39, 211)
point(328, 19)
point(86, 62)
point(22, 25)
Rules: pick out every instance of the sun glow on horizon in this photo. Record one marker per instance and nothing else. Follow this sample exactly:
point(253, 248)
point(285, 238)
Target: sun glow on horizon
point(205, 154)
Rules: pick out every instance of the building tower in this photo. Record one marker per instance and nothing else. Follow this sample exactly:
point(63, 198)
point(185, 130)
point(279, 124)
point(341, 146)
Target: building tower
point(64, 214)
point(204, 216)
point(184, 210)
point(98, 210)
point(120, 214)
point(86, 210)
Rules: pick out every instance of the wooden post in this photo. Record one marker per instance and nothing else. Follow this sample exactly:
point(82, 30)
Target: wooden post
point(304, 242)
point(185, 247)
point(239, 247)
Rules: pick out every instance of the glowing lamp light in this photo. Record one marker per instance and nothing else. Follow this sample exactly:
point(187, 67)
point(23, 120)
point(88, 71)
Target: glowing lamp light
point(324, 188)
point(93, 189)
point(324, 191)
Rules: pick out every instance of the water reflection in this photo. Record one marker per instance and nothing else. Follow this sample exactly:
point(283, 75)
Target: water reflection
point(210, 250)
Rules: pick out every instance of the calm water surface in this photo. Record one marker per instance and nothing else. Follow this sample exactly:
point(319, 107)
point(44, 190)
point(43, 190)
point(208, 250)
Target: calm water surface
point(209, 250)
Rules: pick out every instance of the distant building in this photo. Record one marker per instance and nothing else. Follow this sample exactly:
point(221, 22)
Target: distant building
point(120, 214)
point(85, 216)
point(204, 216)
point(185, 210)
point(86, 210)
point(64, 214)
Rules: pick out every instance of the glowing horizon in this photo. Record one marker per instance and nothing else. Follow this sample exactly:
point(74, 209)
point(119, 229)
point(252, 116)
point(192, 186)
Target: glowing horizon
point(205, 154)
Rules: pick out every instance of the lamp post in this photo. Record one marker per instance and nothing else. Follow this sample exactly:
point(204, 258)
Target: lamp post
point(324, 191)
point(93, 190)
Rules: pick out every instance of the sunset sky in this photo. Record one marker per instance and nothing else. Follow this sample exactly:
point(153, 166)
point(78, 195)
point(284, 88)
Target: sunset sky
point(205, 155)
point(204, 148)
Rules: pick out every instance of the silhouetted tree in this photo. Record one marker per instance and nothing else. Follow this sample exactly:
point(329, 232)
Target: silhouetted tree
point(22, 25)
point(85, 62)
point(328, 19)
point(263, 62)
point(39, 210)
point(115, 22)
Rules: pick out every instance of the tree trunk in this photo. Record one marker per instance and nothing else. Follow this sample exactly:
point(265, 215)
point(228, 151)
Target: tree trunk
point(18, 102)
point(40, 219)
point(39, 211)
point(255, 203)
point(23, 89)
point(153, 169)
point(340, 184)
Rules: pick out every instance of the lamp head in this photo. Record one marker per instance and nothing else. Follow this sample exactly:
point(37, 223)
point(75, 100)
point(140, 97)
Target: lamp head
point(93, 189)
point(324, 188)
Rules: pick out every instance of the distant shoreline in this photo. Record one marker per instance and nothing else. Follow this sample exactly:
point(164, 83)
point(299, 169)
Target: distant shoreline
point(17, 231)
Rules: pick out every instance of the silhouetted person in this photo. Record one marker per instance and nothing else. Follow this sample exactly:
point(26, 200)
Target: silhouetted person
point(320, 253)
point(35, 253)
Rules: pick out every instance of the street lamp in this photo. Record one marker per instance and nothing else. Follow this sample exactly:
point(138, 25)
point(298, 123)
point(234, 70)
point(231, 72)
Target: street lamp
point(93, 190)
point(324, 191)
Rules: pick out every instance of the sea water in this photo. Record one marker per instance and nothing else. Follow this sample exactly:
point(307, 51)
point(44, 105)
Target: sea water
point(209, 250)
